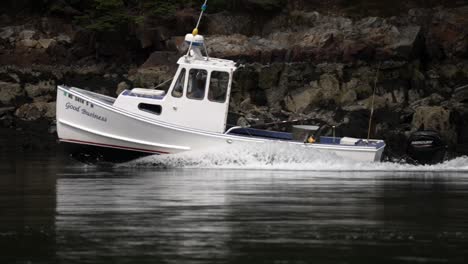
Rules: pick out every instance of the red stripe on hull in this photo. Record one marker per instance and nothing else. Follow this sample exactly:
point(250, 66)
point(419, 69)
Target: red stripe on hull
point(111, 146)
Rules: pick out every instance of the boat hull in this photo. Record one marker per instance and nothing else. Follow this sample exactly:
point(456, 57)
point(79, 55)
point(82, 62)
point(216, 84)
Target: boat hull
point(85, 120)
point(92, 154)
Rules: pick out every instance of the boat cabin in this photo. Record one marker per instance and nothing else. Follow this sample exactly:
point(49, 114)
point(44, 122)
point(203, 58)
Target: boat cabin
point(198, 96)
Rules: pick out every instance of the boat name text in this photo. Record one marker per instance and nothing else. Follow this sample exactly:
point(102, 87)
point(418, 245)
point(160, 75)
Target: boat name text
point(83, 111)
point(93, 115)
point(72, 107)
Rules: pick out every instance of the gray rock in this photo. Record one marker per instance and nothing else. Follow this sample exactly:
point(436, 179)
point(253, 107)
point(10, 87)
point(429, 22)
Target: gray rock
point(330, 88)
point(9, 92)
point(449, 71)
point(230, 46)
point(360, 86)
point(150, 77)
point(434, 118)
point(380, 102)
point(27, 34)
point(4, 110)
point(432, 100)
point(121, 87)
point(28, 43)
point(414, 95)
point(298, 101)
point(6, 33)
point(15, 77)
point(461, 94)
point(399, 96)
point(243, 122)
point(221, 23)
point(269, 76)
point(46, 43)
point(64, 39)
point(318, 93)
point(348, 97)
point(51, 110)
point(35, 111)
point(42, 88)
point(44, 98)
point(370, 22)
point(158, 58)
point(392, 64)
point(407, 41)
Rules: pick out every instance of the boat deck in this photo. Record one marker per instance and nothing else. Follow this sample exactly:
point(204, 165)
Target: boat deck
point(259, 133)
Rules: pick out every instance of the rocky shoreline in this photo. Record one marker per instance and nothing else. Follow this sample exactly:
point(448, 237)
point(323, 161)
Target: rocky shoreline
point(297, 65)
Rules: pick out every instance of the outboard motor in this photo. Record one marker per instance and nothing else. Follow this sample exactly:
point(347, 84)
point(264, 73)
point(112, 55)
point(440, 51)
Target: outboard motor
point(426, 147)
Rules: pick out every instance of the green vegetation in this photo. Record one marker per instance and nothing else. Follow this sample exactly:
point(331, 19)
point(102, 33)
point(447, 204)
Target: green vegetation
point(106, 15)
point(115, 15)
point(112, 15)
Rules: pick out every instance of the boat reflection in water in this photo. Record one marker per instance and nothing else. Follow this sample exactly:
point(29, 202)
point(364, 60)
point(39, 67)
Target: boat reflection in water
point(54, 210)
point(248, 216)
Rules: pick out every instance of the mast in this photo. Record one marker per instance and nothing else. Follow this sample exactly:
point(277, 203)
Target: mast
point(195, 38)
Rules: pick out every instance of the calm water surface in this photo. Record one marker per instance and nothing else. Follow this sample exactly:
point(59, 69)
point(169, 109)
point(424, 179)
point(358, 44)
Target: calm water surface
point(55, 210)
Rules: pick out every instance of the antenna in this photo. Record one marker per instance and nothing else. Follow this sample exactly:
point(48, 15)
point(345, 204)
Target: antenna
point(195, 30)
point(373, 101)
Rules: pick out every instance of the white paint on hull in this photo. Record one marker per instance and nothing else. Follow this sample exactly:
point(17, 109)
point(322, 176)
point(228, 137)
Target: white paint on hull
point(90, 121)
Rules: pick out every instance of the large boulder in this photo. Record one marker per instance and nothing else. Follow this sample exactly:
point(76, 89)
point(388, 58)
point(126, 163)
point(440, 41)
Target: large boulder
point(159, 58)
point(223, 22)
point(64, 39)
point(9, 92)
point(46, 43)
point(28, 43)
point(6, 33)
point(271, 84)
point(407, 43)
point(41, 88)
point(35, 111)
point(359, 86)
point(379, 102)
point(322, 93)
point(231, 46)
point(150, 77)
point(435, 118)
point(432, 100)
point(27, 34)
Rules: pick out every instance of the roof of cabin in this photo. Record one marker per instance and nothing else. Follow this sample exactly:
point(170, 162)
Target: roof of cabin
point(208, 63)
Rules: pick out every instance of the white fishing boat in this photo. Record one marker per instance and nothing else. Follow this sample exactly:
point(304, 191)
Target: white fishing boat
point(190, 116)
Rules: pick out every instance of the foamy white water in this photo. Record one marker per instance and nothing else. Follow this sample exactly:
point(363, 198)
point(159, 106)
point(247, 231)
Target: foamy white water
point(283, 158)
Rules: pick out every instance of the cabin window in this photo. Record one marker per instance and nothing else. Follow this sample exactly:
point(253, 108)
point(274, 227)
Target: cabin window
point(179, 85)
point(196, 84)
point(218, 86)
point(150, 108)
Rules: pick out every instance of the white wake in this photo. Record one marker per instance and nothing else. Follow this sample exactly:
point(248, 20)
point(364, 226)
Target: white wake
point(283, 158)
